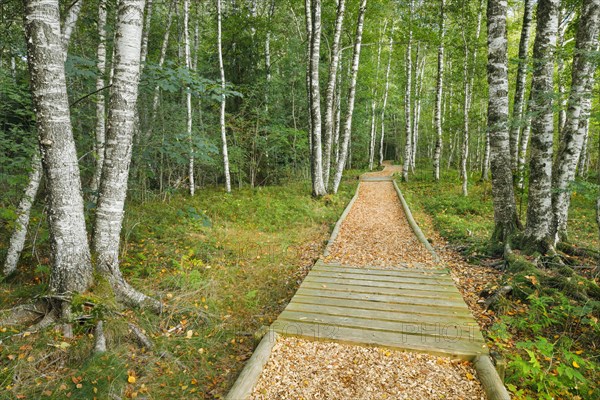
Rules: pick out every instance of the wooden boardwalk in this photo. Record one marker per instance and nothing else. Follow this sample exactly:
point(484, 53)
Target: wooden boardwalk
point(401, 308)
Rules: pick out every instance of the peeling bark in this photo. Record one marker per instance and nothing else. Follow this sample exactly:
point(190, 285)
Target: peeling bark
point(119, 140)
point(344, 148)
point(71, 262)
point(539, 210)
point(438, 96)
point(505, 214)
point(572, 137)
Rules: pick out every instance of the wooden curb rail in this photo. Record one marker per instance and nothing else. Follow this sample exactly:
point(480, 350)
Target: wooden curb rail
point(486, 372)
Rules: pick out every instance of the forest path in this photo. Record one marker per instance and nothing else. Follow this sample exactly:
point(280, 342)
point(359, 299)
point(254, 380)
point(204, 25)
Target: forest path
point(376, 317)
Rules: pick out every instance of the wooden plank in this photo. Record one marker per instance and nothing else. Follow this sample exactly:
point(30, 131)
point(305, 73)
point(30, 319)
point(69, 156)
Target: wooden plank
point(426, 344)
point(446, 280)
point(440, 311)
point(380, 297)
point(382, 271)
point(244, 384)
point(401, 291)
point(432, 287)
point(448, 331)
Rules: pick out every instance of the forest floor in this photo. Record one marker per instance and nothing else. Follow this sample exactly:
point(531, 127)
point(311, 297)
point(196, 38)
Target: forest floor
point(374, 233)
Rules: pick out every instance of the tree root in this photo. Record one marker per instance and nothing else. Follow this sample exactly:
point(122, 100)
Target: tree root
point(100, 346)
point(25, 314)
point(497, 295)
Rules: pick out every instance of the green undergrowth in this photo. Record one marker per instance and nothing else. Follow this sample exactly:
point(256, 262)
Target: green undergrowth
point(224, 265)
point(547, 328)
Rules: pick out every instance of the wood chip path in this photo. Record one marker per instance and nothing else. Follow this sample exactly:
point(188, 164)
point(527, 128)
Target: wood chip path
point(378, 291)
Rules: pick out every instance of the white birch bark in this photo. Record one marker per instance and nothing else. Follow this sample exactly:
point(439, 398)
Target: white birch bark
point(188, 94)
point(145, 34)
point(464, 154)
point(161, 62)
point(385, 94)
point(100, 100)
point(539, 209)
point(519, 100)
point(330, 93)
point(420, 70)
point(71, 262)
point(308, 20)
point(505, 214)
point(345, 141)
point(563, 24)
point(69, 25)
point(223, 100)
point(438, 95)
point(572, 137)
point(17, 240)
point(316, 162)
point(374, 101)
point(119, 141)
point(338, 112)
point(407, 100)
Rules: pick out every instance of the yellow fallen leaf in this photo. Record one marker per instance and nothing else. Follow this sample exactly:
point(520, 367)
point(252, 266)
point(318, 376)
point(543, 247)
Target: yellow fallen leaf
point(470, 376)
point(131, 379)
point(189, 334)
point(575, 364)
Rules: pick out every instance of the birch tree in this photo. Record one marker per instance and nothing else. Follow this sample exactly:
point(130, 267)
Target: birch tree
point(374, 101)
point(316, 162)
point(519, 99)
point(438, 96)
point(119, 140)
point(572, 136)
point(71, 262)
point(539, 209)
point(407, 100)
point(100, 100)
point(505, 214)
point(188, 94)
point(385, 94)
point(331, 86)
point(17, 239)
point(351, 96)
point(225, 151)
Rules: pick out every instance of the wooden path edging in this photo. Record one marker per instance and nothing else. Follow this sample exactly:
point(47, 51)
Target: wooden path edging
point(248, 378)
point(486, 372)
point(413, 224)
point(338, 224)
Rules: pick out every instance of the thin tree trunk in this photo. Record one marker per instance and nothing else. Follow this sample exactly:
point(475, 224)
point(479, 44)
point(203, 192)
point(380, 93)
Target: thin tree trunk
point(505, 209)
point(464, 155)
point(100, 99)
point(338, 112)
point(268, 55)
point(407, 100)
point(420, 70)
point(309, 27)
point(161, 62)
point(316, 162)
point(518, 104)
point(351, 97)
point(119, 141)
point(563, 24)
point(69, 25)
point(330, 94)
point(71, 261)
point(374, 101)
point(145, 34)
point(438, 96)
point(188, 95)
point(385, 94)
point(572, 137)
point(223, 100)
point(539, 209)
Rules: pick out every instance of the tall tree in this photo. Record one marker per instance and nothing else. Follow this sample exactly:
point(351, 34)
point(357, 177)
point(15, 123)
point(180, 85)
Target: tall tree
point(572, 136)
point(438, 95)
point(119, 140)
point(519, 99)
point(374, 100)
point(316, 162)
point(225, 151)
point(71, 262)
point(188, 94)
point(505, 209)
point(407, 99)
point(385, 93)
point(539, 210)
point(351, 96)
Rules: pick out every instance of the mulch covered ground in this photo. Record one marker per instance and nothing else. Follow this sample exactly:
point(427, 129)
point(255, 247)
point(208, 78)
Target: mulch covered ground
point(375, 233)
